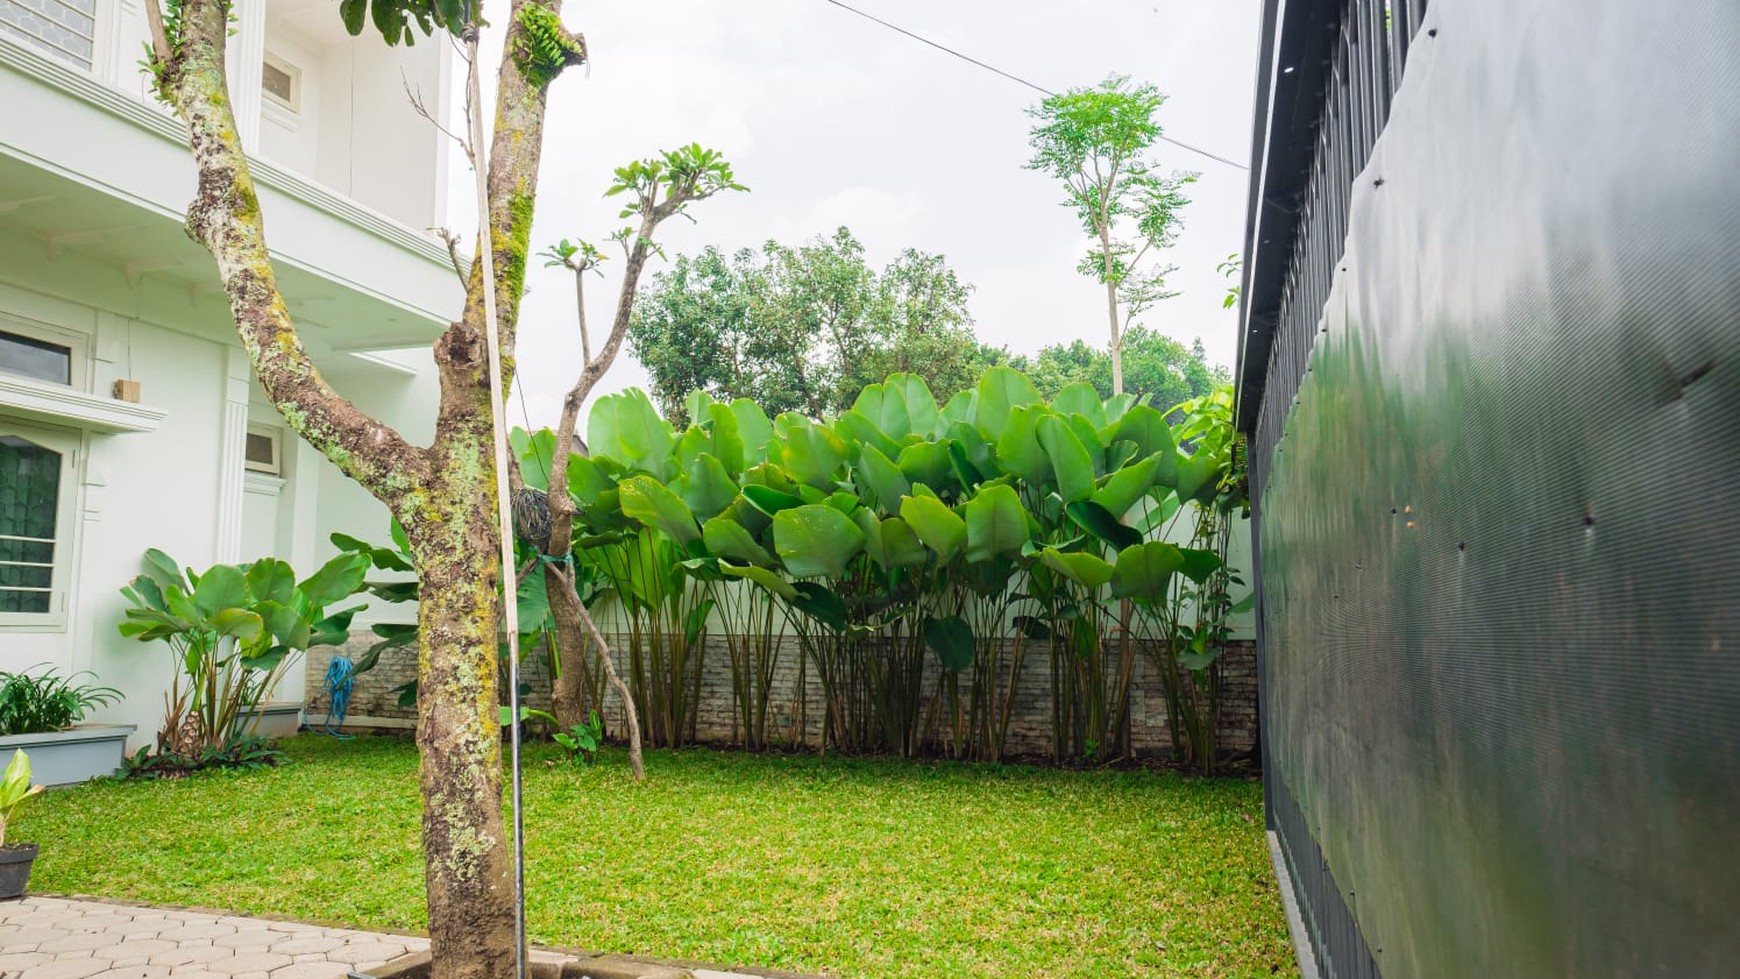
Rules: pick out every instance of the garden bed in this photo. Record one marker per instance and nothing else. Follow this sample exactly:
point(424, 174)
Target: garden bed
point(848, 867)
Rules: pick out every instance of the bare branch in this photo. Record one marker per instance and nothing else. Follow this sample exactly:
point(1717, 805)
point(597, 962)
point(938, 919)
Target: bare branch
point(416, 99)
point(451, 238)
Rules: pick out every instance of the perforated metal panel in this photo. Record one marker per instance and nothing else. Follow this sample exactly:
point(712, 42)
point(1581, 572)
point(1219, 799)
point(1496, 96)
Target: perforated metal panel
point(1500, 525)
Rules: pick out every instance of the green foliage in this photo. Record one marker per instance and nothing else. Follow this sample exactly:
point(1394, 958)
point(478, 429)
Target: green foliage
point(48, 702)
point(582, 741)
point(237, 753)
point(544, 47)
point(15, 788)
point(805, 329)
point(233, 632)
point(894, 531)
point(1157, 368)
point(395, 19)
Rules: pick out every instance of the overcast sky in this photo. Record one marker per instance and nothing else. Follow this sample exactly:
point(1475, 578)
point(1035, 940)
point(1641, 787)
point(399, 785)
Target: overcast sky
point(833, 120)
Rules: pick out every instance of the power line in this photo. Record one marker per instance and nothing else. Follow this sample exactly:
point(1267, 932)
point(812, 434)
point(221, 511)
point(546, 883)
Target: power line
point(1014, 78)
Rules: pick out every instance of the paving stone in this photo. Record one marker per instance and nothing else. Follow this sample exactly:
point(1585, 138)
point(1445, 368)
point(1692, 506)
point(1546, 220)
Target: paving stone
point(141, 946)
point(43, 919)
point(127, 961)
point(252, 975)
point(251, 940)
point(192, 972)
point(196, 929)
point(198, 955)
point(83, 941)
point(302, 946)
point(64, 969)
point(102, 922)
point(133, 972)
point(238, 922)
point(360, 952)
point(237, 965)
point(40, 933)
point(19, 961)
point(312, 970)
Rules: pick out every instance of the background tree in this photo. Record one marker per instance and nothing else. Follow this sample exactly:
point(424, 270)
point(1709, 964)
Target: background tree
point(444, 494)
point(1158, 368)
point(661, 188)
point(1096, 141)
point(804, 329)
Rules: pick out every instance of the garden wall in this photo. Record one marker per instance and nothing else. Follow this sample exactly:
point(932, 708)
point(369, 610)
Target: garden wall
point(797, 718)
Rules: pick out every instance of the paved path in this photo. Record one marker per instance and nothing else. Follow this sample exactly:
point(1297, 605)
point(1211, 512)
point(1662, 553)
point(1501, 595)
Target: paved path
point(56, 938)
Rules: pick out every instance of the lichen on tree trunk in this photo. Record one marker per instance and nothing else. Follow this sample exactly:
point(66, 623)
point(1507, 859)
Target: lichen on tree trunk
point(444, 495)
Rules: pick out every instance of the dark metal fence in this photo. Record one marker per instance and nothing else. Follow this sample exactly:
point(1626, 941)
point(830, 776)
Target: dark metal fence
point(1490, 372)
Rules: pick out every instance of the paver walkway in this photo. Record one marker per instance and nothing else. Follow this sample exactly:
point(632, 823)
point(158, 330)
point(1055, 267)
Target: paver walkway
point(57, 938)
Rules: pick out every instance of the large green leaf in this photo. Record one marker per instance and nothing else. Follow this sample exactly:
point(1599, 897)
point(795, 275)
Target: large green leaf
point(855, 427)
point(901, 545)
point(536, 452)
point(952, 641)
point(820, 603)
point(1080, 398)
point(1144, 571)
point(1001, 390)
point(1070, 462)
point(532, 603)
point(164, 570)
point(927, 463)
point(884, 480)
point(727, 538)
point(997, 525)
point(767, 499)
point(1096, 520)
point(753, 429)
point(338, 578)
point(811, 453)
point(1123, 488)
point(962, 409)
point(1018, 448)
point(1079, 567)
point(587, 481)
point(921, 409)
point(885, 408)
point(1195, 475)
point(627, 428)
point(815, 540)
point(653, 504)
point(222, 587)
point(270, 579)
point(1148, 429)
point(763, 577)
point(1199, 563)
point(284, 623)
point(334, 630)
point(935, 524)
point(706, 487)
point(246, 626)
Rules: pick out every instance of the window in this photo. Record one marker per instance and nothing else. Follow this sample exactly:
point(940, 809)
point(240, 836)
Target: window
point(35, 357)
point(260, 455)
point(36, 494)
point(281, 81)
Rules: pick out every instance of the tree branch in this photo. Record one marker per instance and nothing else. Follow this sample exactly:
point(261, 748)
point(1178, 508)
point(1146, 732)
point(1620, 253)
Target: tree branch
point(225, 218)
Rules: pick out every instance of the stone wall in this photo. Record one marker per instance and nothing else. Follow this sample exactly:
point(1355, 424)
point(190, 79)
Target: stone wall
point(796, 711)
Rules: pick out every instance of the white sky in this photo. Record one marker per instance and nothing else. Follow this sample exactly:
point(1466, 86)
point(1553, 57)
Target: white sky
point(831, 119)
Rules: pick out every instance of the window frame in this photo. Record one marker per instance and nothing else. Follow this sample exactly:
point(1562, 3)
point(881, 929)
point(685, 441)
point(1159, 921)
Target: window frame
point(293, 104)
point(78, 347)
point(70, 445)
point(276, 436)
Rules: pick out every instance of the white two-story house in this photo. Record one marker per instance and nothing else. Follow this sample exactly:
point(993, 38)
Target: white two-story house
point(129, 417)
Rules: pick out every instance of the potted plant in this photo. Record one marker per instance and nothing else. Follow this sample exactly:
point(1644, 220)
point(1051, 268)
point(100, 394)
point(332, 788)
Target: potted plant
point(42, 713)
point(15, 858)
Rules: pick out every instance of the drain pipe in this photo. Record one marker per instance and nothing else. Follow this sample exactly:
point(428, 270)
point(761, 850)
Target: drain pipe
point(504, 506)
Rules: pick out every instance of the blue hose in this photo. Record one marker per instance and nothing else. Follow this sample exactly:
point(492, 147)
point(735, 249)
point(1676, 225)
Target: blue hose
point(338, 686)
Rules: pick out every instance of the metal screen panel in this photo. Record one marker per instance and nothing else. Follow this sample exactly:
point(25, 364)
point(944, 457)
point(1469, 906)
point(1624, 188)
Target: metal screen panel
point(1497, 447)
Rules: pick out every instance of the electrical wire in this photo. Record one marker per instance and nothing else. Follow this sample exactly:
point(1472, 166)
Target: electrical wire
point(1017, 79)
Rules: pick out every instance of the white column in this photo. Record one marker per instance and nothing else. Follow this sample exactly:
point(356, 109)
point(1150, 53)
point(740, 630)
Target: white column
point(232, 459)
point(246, 53)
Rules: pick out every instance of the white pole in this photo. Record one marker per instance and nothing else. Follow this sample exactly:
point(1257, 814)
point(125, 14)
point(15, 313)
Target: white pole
point(504, 506)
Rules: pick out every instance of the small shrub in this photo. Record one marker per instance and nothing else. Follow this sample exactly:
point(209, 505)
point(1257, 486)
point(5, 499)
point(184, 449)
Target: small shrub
point(243, 753)
point(39, 704)
point(582, 740)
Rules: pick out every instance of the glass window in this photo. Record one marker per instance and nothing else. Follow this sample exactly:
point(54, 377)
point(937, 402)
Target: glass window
point(31, 484)
point(31, 357)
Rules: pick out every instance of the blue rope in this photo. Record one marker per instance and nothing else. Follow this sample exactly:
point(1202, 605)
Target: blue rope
point(338, 686)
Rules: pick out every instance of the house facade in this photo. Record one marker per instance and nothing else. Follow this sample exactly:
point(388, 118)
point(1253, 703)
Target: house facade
point(129, 416)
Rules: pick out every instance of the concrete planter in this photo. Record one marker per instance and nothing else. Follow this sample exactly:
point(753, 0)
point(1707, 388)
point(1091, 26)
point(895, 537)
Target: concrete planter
point(78, 754)
point(278, 720)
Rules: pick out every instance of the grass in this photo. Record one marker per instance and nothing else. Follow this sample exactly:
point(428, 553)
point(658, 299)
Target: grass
point(860, 868)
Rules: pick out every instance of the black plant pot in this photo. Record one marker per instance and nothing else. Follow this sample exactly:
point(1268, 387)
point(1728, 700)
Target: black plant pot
point(15, 861)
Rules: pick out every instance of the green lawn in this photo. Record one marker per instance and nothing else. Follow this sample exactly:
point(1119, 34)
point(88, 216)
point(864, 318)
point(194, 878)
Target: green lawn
point(858, 868)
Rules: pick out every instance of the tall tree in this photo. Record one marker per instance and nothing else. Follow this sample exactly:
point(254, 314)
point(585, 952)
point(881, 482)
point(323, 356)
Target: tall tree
point(662, 188)
point(1158, 368)
point(443, 494)
point(1097, 141)
point(804, 329)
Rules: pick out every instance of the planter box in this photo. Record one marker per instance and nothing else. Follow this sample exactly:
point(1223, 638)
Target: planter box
point(77, 754)
point(278, 720)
